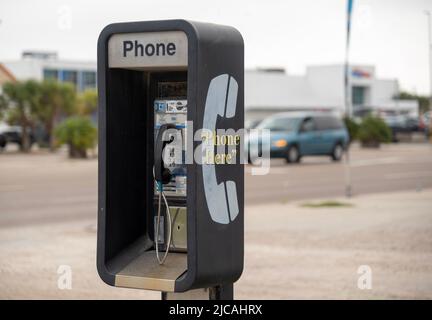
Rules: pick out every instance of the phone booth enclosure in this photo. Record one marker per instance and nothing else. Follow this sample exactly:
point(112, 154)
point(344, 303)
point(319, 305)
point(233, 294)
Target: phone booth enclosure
point(215, 248)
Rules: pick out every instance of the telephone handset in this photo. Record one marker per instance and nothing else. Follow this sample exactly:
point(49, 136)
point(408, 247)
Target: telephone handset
point(221, 101)
point(162, 174)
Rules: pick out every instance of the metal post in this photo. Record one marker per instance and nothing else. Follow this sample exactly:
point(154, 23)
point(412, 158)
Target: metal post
point(221, 292)
point(347, 89)
point(348, 109)
point(428, 13)
point(348, 114)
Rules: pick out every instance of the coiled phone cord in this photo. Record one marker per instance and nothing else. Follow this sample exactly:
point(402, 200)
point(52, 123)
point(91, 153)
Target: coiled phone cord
point(162, 195)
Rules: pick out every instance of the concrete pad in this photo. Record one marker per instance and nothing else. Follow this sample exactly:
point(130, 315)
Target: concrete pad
point(292, 252)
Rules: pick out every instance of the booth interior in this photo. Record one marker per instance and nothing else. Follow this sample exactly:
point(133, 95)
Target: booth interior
point(138, 103)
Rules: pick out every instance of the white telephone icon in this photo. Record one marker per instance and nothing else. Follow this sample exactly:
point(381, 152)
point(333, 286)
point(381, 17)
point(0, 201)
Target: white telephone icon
point(221, 198)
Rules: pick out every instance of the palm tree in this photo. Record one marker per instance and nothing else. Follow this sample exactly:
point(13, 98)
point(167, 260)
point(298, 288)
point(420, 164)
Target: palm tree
point(22, 101)
point(57, 99)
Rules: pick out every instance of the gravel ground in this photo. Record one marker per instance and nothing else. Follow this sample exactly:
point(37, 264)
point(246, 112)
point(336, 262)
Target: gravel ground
point(292, 252)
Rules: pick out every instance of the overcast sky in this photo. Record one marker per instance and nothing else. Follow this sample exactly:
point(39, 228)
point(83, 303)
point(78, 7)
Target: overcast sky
point(390, 34)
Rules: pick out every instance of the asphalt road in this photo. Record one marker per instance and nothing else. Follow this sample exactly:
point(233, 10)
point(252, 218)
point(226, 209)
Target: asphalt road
point(392, 168)
point(42, 187)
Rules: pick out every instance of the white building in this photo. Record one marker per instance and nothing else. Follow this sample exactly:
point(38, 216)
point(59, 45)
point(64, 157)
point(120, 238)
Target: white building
point(46, 65)
point(322, 88)
point(266, 91)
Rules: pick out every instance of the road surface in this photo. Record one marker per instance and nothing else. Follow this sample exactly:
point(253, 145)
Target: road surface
point(42, 187)
point(391, 168)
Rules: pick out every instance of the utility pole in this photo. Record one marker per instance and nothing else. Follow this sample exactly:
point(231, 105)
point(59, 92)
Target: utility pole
point(428, 14)
point(347, 100)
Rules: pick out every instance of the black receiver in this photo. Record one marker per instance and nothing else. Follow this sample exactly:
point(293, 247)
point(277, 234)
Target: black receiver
point(161, 173)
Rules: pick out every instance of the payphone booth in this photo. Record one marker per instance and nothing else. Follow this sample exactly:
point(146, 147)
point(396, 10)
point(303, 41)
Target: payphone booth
point(170, 215)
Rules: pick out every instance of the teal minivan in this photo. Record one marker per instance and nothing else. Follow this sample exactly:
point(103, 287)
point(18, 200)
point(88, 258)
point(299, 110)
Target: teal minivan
point(294, 135)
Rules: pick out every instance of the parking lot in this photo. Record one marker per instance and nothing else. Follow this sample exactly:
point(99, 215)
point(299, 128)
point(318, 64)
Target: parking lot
point(293, 250)
point(43, 187)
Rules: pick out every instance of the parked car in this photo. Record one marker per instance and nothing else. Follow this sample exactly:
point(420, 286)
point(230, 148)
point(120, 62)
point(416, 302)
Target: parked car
point(3, 141)
point(401, 124)
point(295, 135)
point(425, 121)
point(12, 134)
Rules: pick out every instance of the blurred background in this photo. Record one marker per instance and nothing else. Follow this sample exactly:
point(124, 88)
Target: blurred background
point(345, 88)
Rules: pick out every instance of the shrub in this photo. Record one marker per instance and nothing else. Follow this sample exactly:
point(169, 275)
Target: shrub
point(352, 127)
point(373, 131)
point(79, 134)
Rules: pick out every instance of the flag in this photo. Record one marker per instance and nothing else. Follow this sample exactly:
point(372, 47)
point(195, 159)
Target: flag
point(347, 93)
point(349, 11)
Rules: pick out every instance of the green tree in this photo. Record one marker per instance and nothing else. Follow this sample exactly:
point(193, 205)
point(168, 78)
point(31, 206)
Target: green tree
point(21, 100)
point(78, 133)
point(352, 127)
point(3, 107)
point(424, 101)
point(373, 131)
point(87, 102)
point(56, 99)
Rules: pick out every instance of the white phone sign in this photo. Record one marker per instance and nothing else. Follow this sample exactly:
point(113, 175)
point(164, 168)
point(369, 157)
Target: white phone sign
point(221, 198)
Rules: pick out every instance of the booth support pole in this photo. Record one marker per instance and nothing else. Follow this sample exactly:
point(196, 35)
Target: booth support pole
point(221, 292)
